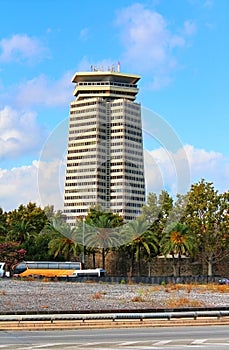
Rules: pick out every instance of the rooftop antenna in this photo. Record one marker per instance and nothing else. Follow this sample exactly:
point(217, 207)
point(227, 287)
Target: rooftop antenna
point(118, 67)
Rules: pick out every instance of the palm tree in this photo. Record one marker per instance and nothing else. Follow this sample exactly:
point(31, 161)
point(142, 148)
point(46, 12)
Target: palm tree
point(177, 241)
point(63, 242)
point(63, 246)
point(101, 233)
point(141, 238)
point(21, 231)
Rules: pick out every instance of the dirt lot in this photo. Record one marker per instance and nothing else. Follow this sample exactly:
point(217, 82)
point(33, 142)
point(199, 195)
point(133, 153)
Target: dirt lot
point(36, 296)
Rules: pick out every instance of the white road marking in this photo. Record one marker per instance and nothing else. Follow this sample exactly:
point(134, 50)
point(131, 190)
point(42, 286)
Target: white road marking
point(127, 343)
point(123, 345)
point(162, 342)
point(199, 341)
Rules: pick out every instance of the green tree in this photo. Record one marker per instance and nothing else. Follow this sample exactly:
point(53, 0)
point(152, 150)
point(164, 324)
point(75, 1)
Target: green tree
point(151, 210)
point(157, 211)
point(207, 216)
point(158, 208)
point(101, 232)
point(3, 225)
point(11, 253)
point(140, 238)
point(24, 222)
point(20, 231)
point(177, 241)
point(178, 212)
point(35, 215)
point(53, 215)
point(63, 248)
point(63, 244)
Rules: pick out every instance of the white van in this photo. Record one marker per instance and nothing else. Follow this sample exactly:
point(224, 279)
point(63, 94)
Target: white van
point(2, 269)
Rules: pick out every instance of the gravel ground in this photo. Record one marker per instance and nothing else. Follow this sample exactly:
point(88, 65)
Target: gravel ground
point(36, 296)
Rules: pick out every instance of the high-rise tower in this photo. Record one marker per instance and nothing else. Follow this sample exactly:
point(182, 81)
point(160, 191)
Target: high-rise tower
point(105, 163)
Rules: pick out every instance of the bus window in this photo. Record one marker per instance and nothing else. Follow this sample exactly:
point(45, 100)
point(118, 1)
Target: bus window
point(19, 268)
point(31, 265)
point(76, 266)
point(42, 265)
point(64, 266)
point(53, 265)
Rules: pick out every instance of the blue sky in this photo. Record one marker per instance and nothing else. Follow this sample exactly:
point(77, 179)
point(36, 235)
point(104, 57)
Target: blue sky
point(179, 48)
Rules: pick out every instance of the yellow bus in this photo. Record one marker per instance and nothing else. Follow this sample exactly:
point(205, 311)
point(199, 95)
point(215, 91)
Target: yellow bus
point(46, 269)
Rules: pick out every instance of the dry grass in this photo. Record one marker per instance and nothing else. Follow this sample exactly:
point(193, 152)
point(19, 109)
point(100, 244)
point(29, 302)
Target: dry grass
point(97, 295)
point(222, 288)
point(46, 279)
point(183, 302)
point(203, 288)
point(179, 295)
point(29, 278)
point(138, 299)
point(9, 303)
point(212, 288)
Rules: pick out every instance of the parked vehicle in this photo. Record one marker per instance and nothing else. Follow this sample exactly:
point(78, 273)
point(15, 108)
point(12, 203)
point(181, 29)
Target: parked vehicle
point(224, 281)
point(2, 269)
point(54, 269)
point(45, 268)
point(89, 273)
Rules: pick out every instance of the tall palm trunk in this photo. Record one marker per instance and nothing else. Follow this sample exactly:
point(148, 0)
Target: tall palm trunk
point(132, 263)
point(139, 260)
point(103, 258)
point(93, 258)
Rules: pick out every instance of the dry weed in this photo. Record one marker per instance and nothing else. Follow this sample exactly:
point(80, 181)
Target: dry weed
point(97, 295)
point(183, 302)
point(137, 298)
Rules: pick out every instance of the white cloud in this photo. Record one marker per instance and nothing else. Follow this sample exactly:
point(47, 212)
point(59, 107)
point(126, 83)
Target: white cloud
point(190, 27)
point(43, 91)
point(19, 133)
point(84, 33)
point(167, 170)
point(39, 91)
point(149, 43)
point(18, 186)
point(43, 182)
point(50, 182)
point(38, 182)
point(164, 169)
point(21, 47)
point(143, 30)
point(212, 166)
point(208, 4)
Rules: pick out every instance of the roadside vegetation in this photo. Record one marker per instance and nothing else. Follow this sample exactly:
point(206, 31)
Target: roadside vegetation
point(192, 228)
point(178, 295)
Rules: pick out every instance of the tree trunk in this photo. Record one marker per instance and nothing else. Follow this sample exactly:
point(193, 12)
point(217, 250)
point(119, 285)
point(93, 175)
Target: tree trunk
point(103, 258)
point(139, 263)
point(93, 258)
point(174, 267)
point(139, 268)
point(179, 264)
point(149, 269)
point(131, 264)
point(210, 269)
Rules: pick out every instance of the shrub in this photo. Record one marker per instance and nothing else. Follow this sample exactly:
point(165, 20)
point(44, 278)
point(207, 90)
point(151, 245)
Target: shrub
point(97, 295)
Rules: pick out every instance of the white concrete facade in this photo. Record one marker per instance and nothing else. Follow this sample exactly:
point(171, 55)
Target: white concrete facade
point(105, 163)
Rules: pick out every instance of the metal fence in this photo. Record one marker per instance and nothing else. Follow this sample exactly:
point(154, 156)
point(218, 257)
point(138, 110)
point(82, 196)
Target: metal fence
point(159, 280)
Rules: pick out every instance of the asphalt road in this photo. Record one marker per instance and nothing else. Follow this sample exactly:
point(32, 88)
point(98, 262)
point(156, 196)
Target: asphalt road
point(172, 338)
